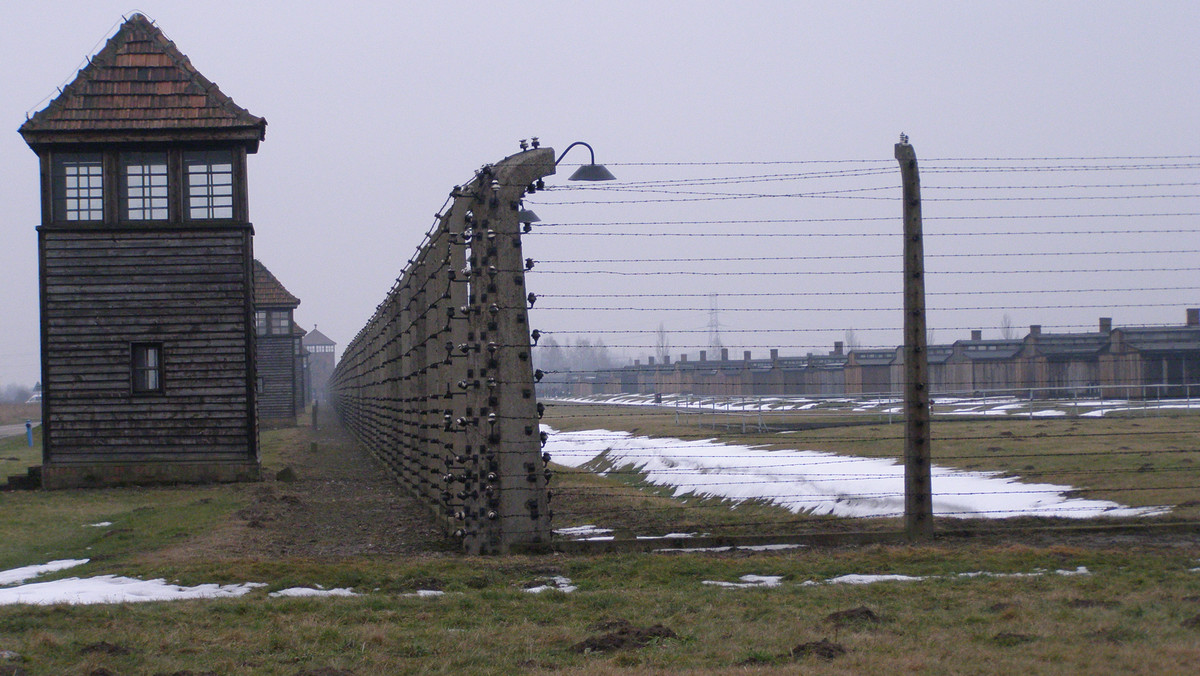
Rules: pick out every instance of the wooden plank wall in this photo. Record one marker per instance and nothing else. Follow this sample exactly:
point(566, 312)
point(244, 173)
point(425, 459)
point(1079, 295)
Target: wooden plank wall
point(276, 368)
point(106, 289)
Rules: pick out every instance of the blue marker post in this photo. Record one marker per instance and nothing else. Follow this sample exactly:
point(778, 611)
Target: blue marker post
point(29, 432)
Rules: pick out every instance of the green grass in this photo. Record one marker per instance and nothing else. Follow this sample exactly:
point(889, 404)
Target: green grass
point(16, 455)
point(1127, 616)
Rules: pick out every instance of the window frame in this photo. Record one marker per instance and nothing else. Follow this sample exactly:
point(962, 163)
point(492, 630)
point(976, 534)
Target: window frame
point(202, 201)
point(142, 367)
point(61, 197)
point(280, 322)
point(160, 195)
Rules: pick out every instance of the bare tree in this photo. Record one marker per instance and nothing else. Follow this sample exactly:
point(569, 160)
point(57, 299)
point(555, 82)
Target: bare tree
point(662, 344)
point(1007, 331)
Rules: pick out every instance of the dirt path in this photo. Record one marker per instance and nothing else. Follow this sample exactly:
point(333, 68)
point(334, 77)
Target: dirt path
point(340, 503)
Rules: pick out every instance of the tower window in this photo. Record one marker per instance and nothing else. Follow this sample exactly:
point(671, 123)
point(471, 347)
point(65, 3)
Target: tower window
point(147, 367)
point(144, 193)
point(281, 323)
point(209, 176)
point(79, 187)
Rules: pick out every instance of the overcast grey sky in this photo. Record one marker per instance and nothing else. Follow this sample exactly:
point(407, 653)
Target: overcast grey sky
point(375, 110)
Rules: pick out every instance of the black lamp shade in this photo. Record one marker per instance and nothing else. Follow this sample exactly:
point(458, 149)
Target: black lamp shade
point(592, 172)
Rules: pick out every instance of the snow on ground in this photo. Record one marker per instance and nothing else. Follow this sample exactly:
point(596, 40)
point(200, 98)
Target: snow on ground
point(856, 578)
point(816, 482)
point(556, 583)
point(943, 405)
point(587, 532)
point(748, 581)
point(293, 592)
point(113, 589)
point(730, 548)
point(16, 575)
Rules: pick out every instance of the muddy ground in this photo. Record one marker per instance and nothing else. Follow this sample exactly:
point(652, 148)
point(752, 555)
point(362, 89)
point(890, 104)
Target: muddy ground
point(337, 502)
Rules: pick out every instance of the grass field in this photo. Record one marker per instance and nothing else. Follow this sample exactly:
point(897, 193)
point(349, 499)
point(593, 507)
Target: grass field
point(1130, 605)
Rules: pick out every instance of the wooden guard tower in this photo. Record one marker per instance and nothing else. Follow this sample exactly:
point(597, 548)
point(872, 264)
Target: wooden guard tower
point(146, 265)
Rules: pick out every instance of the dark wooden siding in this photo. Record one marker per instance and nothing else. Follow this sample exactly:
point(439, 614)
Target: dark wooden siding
point(187, 289)
point(276, 369)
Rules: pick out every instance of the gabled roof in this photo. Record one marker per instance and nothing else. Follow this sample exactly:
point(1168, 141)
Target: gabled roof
point(872, 357)
point(1162, 339)
point(268, 292)
point(140, 83)
point(1068, 344)
point(990, 350)
point(315, 337)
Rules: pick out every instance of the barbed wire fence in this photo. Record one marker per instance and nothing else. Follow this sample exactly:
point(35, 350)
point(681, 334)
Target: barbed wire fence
point(802, 255)
point(438, 385)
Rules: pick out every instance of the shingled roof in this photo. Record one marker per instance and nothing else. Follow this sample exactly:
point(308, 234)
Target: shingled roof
point(268, 292)
point(140, 83)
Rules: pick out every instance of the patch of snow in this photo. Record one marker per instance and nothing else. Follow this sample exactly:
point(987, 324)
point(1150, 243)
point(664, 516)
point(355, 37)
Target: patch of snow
point(870, 579)
point(730, 548)
point(425, 593)
point(102, 524)
point(581, 531)
point(23, 573)
point(556, 583)
point(113, 589)
point(748, 581)
point(293, 592)
point(817, 482)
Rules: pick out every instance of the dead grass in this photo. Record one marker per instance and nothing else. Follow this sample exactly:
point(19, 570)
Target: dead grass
point(13, 414)
point(1128, 615)
point(943, 625)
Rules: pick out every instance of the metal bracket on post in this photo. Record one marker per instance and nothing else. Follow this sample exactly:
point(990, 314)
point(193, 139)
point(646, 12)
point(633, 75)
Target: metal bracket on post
point(918, 489)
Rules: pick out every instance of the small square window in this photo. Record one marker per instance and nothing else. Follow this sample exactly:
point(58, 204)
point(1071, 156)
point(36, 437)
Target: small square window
point(260, 323)
point(146, 367)
point(281, 322)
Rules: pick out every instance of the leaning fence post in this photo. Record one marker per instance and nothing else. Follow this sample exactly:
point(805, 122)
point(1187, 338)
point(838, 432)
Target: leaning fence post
point(918, 491)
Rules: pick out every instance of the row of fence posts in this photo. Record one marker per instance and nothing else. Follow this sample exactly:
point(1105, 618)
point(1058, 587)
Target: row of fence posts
point(439, 384)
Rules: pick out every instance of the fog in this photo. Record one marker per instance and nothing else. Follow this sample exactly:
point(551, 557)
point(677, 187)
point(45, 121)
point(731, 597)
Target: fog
point(376, 111)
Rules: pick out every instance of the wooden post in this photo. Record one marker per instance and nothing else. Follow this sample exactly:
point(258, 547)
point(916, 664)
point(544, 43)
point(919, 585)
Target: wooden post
point(918, 491)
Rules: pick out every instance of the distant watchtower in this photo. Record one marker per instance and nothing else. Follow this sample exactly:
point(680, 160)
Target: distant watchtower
point(145, 246)
point(280, 353)
point(320, 362)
